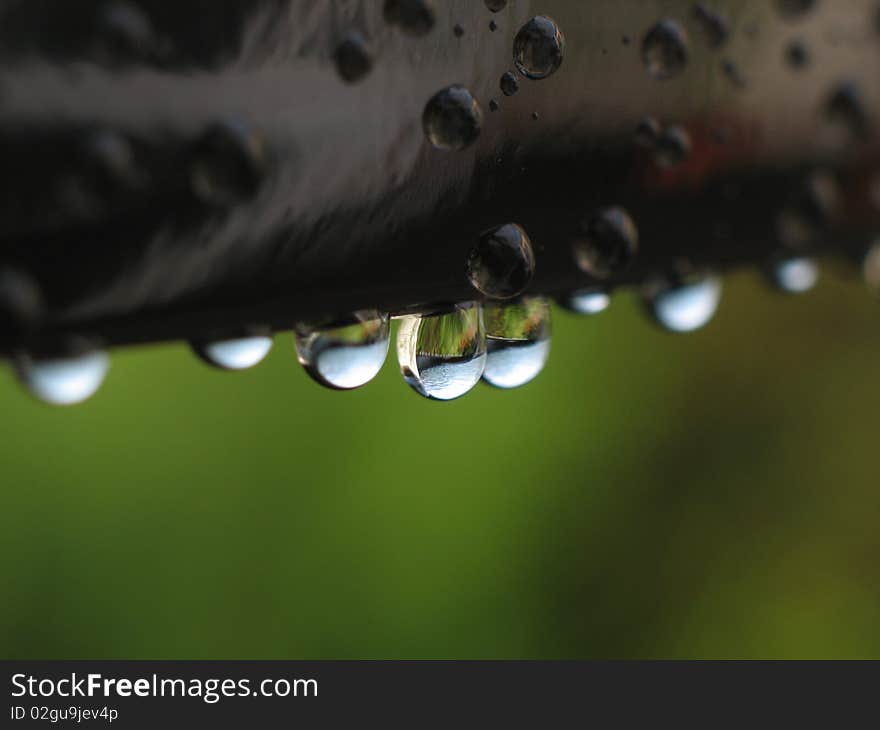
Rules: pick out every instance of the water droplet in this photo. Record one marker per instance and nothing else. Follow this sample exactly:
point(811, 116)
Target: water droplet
point(609, 241)
point(713, 24)
point(809, 211)
point(347, 356)
point(496, 5)
point(797, 55)
point(66, 379)
point(458, 31)
point(665, 50)
point(844, 108)
point(238, 353)
point(588, 301)
point(732, 73)
point(413, 17)
point(517, 341)
point(353, 61)
point(684, 304)
point(452, 119)
point(493, 105)
point(536, 116)
point(626, 40)
point(126, 35)
point(228, 165)
point(501, 264)
point(21, 304)
point(509, 84)
point(648, 132)
point(442, 356)
point(871, 267)
point(794, 275)
point(673, 147)
point(794, 9)
point(538, 48)
point(493, 26)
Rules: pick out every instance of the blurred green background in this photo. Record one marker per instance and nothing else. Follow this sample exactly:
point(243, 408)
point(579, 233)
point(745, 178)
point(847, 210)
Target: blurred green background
point(650, 495)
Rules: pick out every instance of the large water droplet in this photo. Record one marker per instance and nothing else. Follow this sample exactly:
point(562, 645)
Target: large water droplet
point(63, 379)
point(608, 243)
point(452, 119)
point(684, 304)
point(794, 275)
point(413, 17)
point(539, 48)
point(517, 341)
point(509, 84)
point(501, 264)
point(442, 356)
point(587, 301)
point(665, 49)
point(238, 353)
point(228, 164)
point(353, 61)
point(346, 356)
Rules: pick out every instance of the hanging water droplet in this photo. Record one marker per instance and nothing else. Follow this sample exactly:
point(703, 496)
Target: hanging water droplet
point(228, 164)
point(665, 49)
point(353, 60)
point(346, 356)
point(794, 9)
point(517, 341)
point(648, 132)
point(587, 301)
point(64, 379)
point(21, 304)
point(871, 267)
point(673, 147)
point(794, 275)
point(413, 17)
point(502, 263)
point(452, 119)
point(496, 5)
point(797, 55)
point(684, 303)
point(509, 84)
point(239, 353)
point(442, 356)
point(714, 25)
point(609, 241)
point(539, 48)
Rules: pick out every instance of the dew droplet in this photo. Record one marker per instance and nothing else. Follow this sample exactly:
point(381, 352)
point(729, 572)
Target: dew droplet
point(493, 26)
point(797, 55)
point(794, 9)
point(228, 165)
point(502, 263)
point(21, 304)
point(442, 356)
point(493, 105)
point(517, 341)
point(794, 275)
point(353, 60)
point(346, 356)
point(413, 17)
point(608, 242)
point(452, 119)
point(65, 379)
point(458, 31)
point(509, 84)
point(845, 109)
point(496, 5)
point(587, 301)
point(539, 48)
point(714, 25)
point(239, 353)
point(536, 116)
point(683, 303)
point(673, 147)
point(665, 49)
point(648, 132)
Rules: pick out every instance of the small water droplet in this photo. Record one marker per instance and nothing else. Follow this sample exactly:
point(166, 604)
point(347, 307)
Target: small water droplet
point(871, 267)
point(714, 25)
point(794, 275)
point(346, 356)
point(239, 353)
point(442, 356)
point(539, 48)
point(493, 105)
point(673, 147)
point(794, 9)
point(609, 241)
point(844, 108)
point(452, 119)
point(683, 303)
point(809, 211)
point(648, 132)
point(458, 30)
point(501, 264)
point(517, 341)
point(496, 5)
point(509, 84)
point(353, 61)
point(21, 304)
point(493, 26)
point(229, 162)
point(587, 301)
point(733, 74)
point(126, 35)
point(413, 17)
point(626, 40)
point(65, 379)
point(536, 116)
point(797, 55)
point(665, 49)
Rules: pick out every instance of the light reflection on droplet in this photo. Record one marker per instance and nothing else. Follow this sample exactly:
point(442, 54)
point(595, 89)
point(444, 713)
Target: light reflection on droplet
point(234, 354)
point(795, 275)
point(517, 341)
point(586, 301)
point(685, 305)
point(63, 380)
